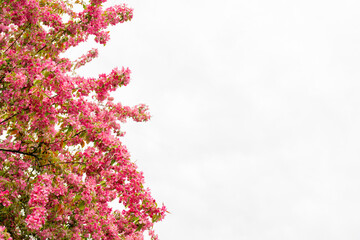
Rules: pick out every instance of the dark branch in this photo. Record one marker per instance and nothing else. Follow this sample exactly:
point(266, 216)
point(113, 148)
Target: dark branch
point(8, 118)
point(17, 38)
point(46, 44)
point(78, 133)
point(16, 151)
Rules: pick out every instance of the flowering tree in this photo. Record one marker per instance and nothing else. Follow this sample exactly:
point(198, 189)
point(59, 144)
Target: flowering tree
point(61, 159)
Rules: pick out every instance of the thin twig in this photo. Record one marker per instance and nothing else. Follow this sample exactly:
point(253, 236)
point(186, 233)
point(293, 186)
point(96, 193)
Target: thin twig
point(63, 163)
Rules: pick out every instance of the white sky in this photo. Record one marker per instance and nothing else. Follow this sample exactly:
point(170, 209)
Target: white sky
point(256, 108)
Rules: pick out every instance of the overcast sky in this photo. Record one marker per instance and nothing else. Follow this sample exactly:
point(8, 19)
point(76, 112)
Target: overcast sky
point(255, 131)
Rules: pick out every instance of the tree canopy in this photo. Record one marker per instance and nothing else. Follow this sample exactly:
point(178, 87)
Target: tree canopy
point(61, 157)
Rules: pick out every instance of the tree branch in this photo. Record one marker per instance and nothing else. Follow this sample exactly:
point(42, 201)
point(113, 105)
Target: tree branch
point(9, 118)
point(46, 44)
point(17, 38)
point(16, 151)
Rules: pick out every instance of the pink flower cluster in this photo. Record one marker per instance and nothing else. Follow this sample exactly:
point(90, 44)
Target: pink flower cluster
point(3, 200)
point(38, 199)
point(93, 53)
point(37, 218)
point(3, 234)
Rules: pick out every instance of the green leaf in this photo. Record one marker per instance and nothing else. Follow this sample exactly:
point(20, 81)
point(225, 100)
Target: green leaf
point(37, 81)
point(46, 74)
point(69, 129)
point(82, 205)
point(135, 219)
point(83, 134)
point(155, 218)
point(140, 226)
point(103, 183)
point(77, 197)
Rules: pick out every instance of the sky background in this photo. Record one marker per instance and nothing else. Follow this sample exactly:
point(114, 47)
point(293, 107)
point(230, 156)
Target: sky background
point(255, 109)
